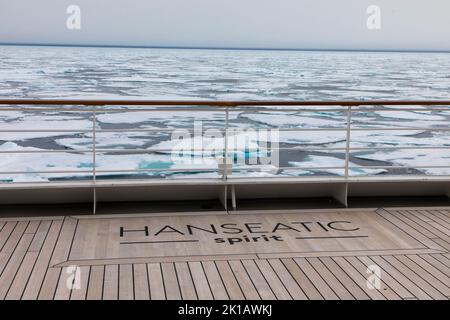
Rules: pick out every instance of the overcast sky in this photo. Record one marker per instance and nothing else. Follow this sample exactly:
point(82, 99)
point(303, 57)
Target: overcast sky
point(295, 24)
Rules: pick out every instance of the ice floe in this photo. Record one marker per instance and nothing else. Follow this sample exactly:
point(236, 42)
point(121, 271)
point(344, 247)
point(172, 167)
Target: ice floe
point(328, 163)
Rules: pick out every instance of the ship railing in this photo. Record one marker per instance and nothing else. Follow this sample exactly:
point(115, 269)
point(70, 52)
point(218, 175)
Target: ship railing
point(226, 170)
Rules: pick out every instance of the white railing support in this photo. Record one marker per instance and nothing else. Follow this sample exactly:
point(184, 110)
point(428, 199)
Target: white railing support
point(347, 141)
point(94, 158)
point(225, 157)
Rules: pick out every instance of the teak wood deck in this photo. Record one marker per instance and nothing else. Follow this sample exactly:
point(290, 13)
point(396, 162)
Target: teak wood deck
point(314, 254)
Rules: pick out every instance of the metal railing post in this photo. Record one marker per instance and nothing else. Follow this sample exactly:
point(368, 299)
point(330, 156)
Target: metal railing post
point(225, 160)
point(94, 157)
point(347, 144)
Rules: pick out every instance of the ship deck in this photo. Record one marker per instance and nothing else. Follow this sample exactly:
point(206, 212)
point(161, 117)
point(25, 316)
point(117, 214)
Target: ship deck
point(289, 254)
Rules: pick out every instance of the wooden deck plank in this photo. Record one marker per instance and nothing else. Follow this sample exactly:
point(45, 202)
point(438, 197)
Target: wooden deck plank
point(161, 259)
point(126, 284)
point(260, 283)
point(20, 281)
point(50, 284)
point(315, 278)
point(171, 281)
point(430, 224)
point(423, 215)
point(6, 231)
point(441, 228)
point(442, 258)
point(302, 280)
point(444, 244)
point(95, 286)
point(233, 289)
point(440, 214)
point(42, 264)
point(431, 269)
point(444, 268)
point(424, 228)
point(111, 282)
point(40, 235)
point(445, 213)
point(185, 281)
point(427, 276)
point(273, 280)
point(384, 289)
point(13, 264)
point(141, 283)
point(31, 218)
point(288, 281)
point(80, 293)
point(358, 278)
point(244, 281)
point(32, 226)
point(386, 277)
point(201, 283)
point(408, 228)
point(397, 274)
point(407, 218)
point(344, 278)
point(11, 244)
point(156, 283)
point(433, 215)
point(63, 289)
point(215, 282)
point(62, 249)
point(407, 272)
point(330, 279)
point(60, 253)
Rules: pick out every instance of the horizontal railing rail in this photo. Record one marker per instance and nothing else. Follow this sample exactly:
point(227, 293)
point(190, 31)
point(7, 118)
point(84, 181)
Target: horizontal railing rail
point(347, 126)
point(86, 102)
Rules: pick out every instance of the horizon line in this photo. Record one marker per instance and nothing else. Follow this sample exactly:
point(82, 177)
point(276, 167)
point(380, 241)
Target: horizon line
point(222, 48)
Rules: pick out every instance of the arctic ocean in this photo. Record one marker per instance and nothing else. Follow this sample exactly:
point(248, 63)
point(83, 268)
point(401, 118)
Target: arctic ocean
point(190, 74)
